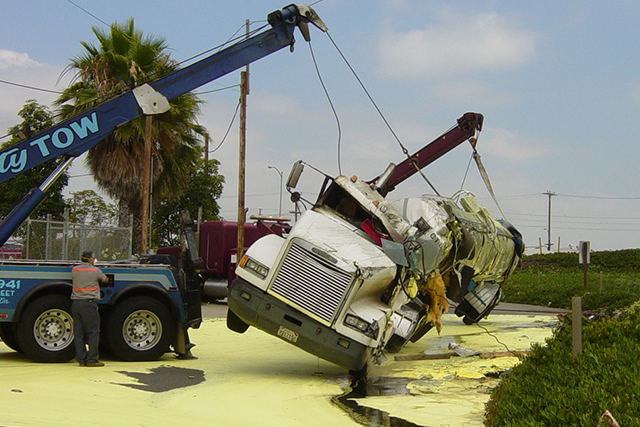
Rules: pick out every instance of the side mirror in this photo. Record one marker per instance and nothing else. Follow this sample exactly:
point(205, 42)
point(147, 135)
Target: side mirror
point(294, 175)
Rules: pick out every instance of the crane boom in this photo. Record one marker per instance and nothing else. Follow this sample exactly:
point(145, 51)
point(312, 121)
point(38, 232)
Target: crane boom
point(468, 125)
point(75, 136)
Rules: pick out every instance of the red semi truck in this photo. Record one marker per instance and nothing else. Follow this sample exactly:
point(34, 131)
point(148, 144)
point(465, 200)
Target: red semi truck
point(218, 245)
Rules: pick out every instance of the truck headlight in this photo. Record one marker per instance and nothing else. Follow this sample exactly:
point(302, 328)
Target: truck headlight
point(369, 329)
point(254, 266)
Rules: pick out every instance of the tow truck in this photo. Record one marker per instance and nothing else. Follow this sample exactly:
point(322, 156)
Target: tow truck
point(358, 275)
point(146, 308)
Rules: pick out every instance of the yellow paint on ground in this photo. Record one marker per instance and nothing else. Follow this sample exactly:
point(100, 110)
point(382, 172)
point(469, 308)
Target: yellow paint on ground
point(453, 392)
point(256, 379)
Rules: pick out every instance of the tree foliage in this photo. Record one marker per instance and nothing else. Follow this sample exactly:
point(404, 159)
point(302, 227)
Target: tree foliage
point(123, 59)
point(35, 118)
point(88, 207)
point(203, 188)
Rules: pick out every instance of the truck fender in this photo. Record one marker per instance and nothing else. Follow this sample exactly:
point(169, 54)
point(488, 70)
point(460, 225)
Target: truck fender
point(147, 289)
point(47, 287)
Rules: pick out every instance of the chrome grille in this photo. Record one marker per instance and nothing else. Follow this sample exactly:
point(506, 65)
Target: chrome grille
point(311, 282)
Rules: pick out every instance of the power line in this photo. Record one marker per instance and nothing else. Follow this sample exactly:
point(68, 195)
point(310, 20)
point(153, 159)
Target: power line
point(216, 90)
point(29, 87)
point(598, 197)
point(88, 13)
point(576, 216)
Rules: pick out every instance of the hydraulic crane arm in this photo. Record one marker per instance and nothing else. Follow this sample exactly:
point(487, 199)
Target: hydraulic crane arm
point(468, 125)
point(75, 136)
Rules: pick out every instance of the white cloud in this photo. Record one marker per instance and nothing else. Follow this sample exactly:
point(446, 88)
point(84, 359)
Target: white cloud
point(272, 103)
point(502, 143)
point(10, 59)
point(635, 95)
point(487, 41)
point(463, 91)
point(24, 71)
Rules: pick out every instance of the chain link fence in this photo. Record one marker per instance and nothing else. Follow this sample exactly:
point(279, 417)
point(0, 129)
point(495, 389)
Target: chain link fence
point(63, 240)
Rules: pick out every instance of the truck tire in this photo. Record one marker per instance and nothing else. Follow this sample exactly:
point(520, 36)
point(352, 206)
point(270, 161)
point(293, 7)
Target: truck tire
point(395, 343)
point(235, 323)
point(8, 336)
point(45, 330)
point(140, 328)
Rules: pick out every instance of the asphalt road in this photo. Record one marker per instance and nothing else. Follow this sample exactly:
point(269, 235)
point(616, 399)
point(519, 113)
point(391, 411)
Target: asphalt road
point(214, 310)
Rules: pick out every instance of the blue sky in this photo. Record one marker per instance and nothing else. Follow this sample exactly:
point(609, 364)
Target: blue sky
point(557, 83)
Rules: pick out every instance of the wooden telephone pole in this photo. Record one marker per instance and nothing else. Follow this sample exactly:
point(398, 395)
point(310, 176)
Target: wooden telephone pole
point(146, 185)
point(244, 91)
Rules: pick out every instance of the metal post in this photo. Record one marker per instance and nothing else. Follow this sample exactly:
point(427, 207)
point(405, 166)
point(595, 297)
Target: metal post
point(600, 282)
point(47, 240)
point(576, 325)
point(280, 204)
point(550, 194)
point(65, 235)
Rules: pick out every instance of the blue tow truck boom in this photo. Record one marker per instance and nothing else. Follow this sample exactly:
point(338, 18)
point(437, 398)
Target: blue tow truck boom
point(147, 305)
point(75, 136)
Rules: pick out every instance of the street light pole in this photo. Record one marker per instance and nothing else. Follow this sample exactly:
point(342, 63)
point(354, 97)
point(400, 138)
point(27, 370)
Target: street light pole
point(279, 173)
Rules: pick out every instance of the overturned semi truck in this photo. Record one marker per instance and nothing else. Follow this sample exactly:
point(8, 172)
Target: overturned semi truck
point(358, 276)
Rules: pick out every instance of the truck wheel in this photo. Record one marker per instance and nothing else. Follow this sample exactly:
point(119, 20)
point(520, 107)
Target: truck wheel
point(395, 343)
point(8, 336)
point(140, 328)
point(45, 331)
point(235, 323)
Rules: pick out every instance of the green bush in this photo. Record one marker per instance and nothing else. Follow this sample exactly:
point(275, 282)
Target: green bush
point(551, 388)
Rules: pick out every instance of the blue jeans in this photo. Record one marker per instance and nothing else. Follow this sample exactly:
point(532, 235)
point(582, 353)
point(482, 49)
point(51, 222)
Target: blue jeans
point(86, 329)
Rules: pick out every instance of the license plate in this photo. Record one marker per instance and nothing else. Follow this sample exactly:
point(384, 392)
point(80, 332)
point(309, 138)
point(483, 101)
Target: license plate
point(287, 334)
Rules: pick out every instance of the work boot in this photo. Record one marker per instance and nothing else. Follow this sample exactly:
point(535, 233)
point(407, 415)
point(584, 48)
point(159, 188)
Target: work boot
point(94, 364)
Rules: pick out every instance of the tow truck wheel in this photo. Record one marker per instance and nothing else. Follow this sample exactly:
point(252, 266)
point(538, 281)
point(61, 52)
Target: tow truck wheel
point(140, 328)
point(45, 330)
point(8, 336)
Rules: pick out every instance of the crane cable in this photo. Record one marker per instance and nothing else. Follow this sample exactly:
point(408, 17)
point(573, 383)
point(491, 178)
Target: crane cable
point(384, 119)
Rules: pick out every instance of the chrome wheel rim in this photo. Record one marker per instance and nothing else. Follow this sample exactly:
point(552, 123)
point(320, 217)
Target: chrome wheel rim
point(53, 330)
point(142, 330)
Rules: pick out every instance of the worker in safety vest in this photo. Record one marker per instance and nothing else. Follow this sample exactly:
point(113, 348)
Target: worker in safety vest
point(84, 309)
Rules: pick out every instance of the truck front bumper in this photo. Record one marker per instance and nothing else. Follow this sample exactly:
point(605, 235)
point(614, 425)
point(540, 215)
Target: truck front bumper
point(263, 311)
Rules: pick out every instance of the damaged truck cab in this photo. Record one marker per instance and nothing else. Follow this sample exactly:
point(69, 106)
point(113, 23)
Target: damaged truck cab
point(358, 275)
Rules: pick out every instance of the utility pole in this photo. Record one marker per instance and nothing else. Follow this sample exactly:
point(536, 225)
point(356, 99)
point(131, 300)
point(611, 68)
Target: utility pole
point(244, 91)
point(146, 183)
point(550, 194)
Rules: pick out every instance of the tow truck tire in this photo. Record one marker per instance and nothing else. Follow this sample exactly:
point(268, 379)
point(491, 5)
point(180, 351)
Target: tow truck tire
point(8, 336)
point(140, 328)
point(45, 330)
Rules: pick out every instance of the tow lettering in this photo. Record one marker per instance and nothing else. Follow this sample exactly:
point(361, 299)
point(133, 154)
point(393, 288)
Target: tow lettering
point(64, 137)
point(13, 161)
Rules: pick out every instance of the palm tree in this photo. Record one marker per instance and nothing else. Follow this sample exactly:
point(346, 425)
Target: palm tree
point(123, 59)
